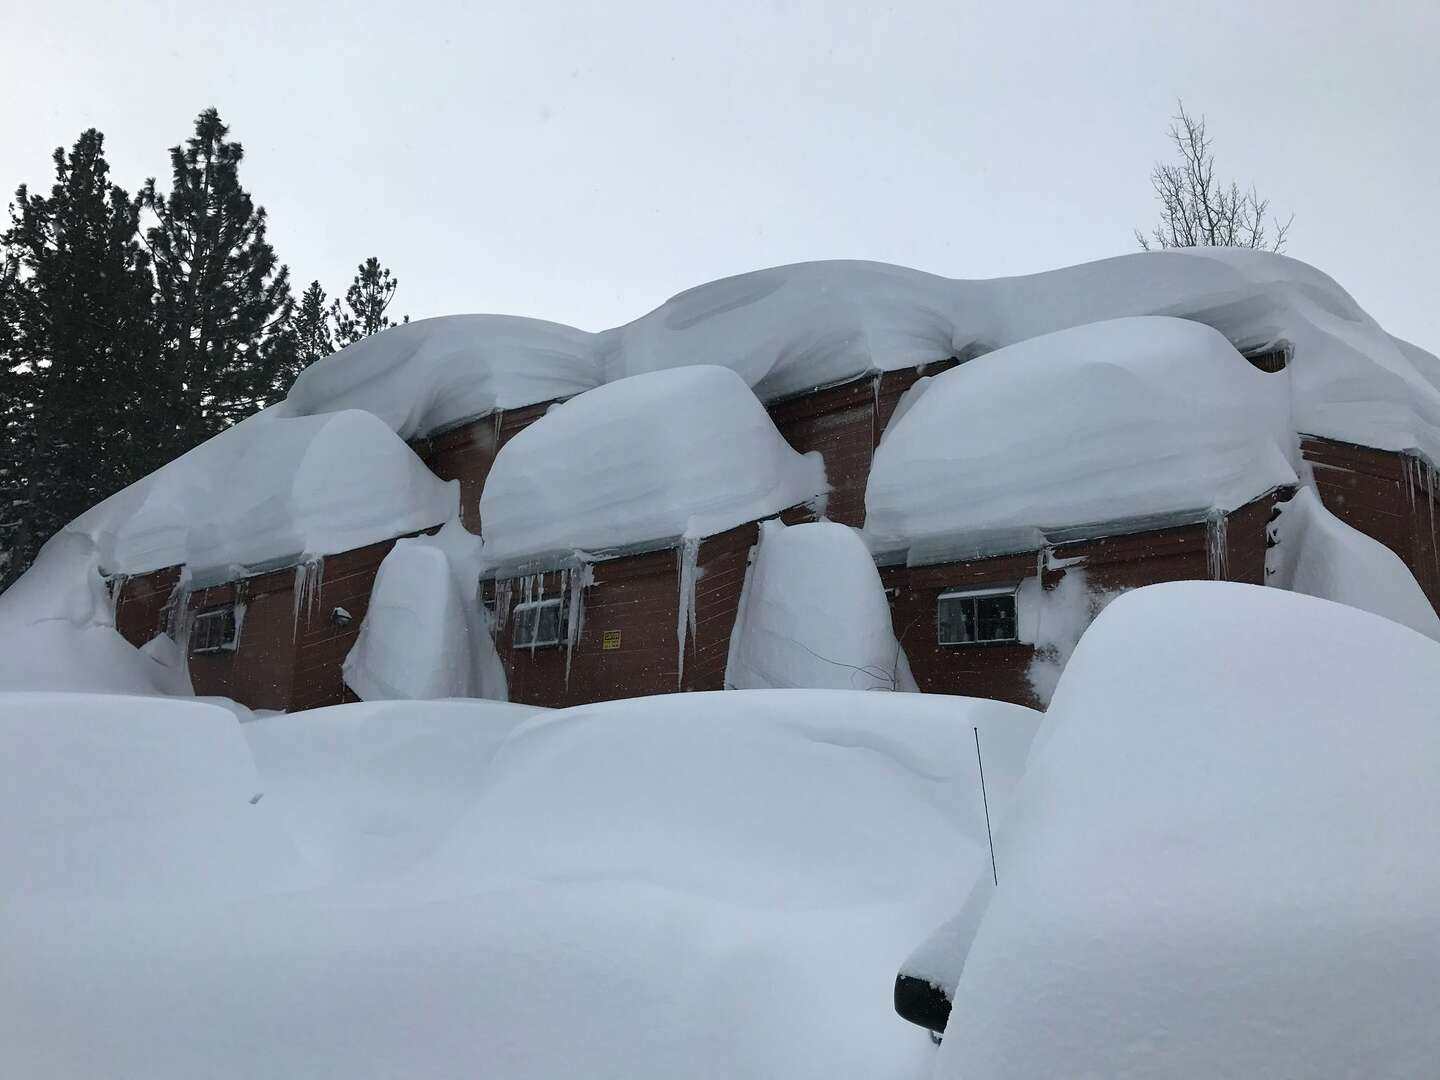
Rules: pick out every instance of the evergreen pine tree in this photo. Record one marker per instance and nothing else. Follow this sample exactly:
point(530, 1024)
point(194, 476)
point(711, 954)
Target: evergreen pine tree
point(366, 299)
point(80, 352)
point(312, 326)
point(223, 299)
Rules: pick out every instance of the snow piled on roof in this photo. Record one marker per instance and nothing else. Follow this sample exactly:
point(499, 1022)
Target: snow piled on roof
point(1098, 423)
point(814, 614)
point(701, 886)
point(1209, 870)
point(271, 488)
point(425, 376)
point(789, 329)
point(686, 452)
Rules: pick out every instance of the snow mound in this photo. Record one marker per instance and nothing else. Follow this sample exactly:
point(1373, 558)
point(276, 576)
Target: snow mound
point(709, 886)
point(57, 630)
point(425, 376)
point(686, 452)
point(1102, 422)
point(814, 615)
point(113, 798)
point(423, 635)
point(370, 790)
point(1318, 554)
point(1216, 863)
point(271, 488)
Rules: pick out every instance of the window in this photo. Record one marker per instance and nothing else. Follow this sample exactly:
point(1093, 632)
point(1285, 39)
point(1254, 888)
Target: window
point(540, 622)
point(214, 631)
point(1271, 360)
point(975, 616)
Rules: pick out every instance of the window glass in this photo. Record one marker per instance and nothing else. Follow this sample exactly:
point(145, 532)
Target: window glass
point(542, 622)
point(969, 618)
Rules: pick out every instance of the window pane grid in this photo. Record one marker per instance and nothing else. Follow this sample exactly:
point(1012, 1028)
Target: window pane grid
point(975, 619)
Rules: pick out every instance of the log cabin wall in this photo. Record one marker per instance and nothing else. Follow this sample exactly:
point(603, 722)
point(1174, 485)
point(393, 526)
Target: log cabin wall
point(143, 604)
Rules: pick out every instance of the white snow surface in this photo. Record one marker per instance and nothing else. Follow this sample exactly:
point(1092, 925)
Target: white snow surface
point(686, 452)
point(57, 630)
point(1218, 861)
point(1101, 422)
point(788, 329)
point(109, 799)
point(423, 635)
point(715, 885)
point(814, 614)
point(1318, 554)
point(425, 376)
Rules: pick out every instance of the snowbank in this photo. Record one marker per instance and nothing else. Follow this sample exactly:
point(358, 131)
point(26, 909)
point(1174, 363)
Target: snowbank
point(371, 790)
point(424, 634)
point(1216, 863)
point(814, 614)
point(1318, 554)
point(57, 630)
point(113, 798)
point(1102, 422)
point(708, 886)
point(687, 452)
point(425, 376)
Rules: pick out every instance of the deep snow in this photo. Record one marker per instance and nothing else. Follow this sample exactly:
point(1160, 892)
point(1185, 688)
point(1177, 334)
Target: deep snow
point(1103, 422)
point(714, 885)
point(689, 452)
point(1218, 861)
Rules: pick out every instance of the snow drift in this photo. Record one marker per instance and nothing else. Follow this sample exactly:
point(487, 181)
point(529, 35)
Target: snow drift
point(814, 615)
point(711, 885)
point(1212, 865)
point(1318, 554)
point(424, 634)
point(689, 452)
point(1103, 422)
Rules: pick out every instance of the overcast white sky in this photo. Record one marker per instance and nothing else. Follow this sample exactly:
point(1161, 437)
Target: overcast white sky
point(581, 162)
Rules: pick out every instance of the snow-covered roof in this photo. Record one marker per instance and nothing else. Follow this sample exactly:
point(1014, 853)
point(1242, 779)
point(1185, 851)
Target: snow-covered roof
point(789, 329)
point(685, 452)
point(425, 376)
point(1209, 870)
point(271, 488)
point(1107, 421)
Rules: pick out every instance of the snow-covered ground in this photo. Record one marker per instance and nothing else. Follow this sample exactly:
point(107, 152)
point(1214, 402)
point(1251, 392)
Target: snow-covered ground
point(1213, 860)
point(715, 885)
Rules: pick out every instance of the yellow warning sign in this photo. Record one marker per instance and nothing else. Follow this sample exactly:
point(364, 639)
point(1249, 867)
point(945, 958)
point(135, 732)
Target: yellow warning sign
point(610, 639)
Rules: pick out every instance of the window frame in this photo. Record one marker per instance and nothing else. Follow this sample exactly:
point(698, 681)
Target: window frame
point(562, 622)
point(229, 619)
point(980, 593)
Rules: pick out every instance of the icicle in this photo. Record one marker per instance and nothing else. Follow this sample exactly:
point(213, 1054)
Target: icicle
point(1215, 554)
point(309, 580)
point(504, 593)
point(688, 553)
point(577, 581)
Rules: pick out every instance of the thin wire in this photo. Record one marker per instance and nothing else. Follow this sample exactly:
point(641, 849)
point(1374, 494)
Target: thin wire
point(986, 799)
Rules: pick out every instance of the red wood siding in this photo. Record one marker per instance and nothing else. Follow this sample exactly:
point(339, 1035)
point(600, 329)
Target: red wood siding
point(1111, 563)
point(844, 423)
point(1390, 497)
point(466, 453)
